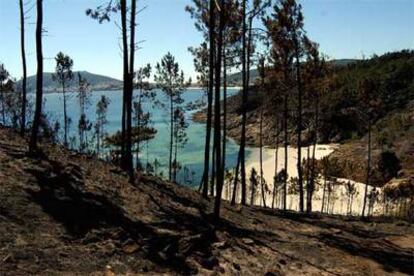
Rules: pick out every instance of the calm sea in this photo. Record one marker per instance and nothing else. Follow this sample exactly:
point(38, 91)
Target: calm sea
point(190, 156)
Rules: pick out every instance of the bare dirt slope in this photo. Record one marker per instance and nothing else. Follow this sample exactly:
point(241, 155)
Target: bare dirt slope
point(65, 213)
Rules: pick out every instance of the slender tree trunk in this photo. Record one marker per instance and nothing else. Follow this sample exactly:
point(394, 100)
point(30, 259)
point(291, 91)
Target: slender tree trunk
point(24, 85)
point(276, 161)
point(329, 196)
point(213, 167)
point(244, 109)
point(205, 180)
point(39, 79)
point(299, 128)
point(249, 50)
point(368, 168)
point(323, 193)
point(217, 118)
point(65, 115)
point(128, 150)
point(223, 162)
point(286, 144)
point(171, 137)
point(175, 164)
point(137, 165)
point(123, 6)
point(236, 176)
point(261, 158)
point(123, 133)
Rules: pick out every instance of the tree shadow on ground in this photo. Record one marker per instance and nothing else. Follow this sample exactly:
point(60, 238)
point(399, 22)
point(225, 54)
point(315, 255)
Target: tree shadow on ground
point(63, 197)
point(355, 240)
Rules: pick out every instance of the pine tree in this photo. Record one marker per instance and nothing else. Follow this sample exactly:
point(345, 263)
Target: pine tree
point(64, 75)
point(102, 13)
point(84, 125)
point(101, 121)
point(39, 78)
point(172, 82)
point(203, 13)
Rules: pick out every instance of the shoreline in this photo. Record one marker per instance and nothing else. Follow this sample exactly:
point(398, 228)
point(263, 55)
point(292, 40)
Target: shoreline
point(338, 204)
point(339, 199)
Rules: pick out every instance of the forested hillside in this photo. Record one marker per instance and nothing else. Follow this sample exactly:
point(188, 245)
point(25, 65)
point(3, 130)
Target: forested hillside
point(236, 78)
point(376, 88)
point(380, 89)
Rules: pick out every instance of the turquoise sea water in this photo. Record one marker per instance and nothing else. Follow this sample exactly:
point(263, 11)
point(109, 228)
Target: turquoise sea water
point(191, 156)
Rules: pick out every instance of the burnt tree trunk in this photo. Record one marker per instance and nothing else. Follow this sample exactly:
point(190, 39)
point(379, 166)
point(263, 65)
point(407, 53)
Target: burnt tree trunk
point(299, 128)
point(244, 109)
point(123, 6)
point(39, 79)
point(205, 180)
point(368, 168)
point(128, 144)
point(217, 118)
point(24, 80)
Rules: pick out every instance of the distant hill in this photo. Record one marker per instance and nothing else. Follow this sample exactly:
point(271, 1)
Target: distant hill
point(97, 82)
point(236, 78)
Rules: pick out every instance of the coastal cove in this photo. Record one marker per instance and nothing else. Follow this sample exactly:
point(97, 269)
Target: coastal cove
point(191, 156)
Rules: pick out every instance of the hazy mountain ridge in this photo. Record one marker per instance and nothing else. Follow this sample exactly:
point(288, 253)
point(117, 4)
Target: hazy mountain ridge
point(97, 82)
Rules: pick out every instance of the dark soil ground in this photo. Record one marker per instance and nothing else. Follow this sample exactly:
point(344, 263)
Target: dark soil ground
point(69, 214)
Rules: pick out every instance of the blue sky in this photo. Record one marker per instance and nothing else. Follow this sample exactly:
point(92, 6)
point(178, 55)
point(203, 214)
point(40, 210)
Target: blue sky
point(343, 28)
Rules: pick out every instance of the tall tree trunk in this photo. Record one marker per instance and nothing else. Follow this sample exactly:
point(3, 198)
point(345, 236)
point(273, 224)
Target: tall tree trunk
point(205, 180)
point(123, 5)
point(128, 150)
point(368, 168)
point(261, 158)
point(39, 78)
point(223, 161)
point(244, 109)
point(286, 144)
point(217, 112)
point(24, 85)
point(65, 116)
point(236, 177)
point(123, 132)
point(276, 165)
point(137, 165)
point(213, 167)
point(171, 137)
point(299, 128)
point(175, 164)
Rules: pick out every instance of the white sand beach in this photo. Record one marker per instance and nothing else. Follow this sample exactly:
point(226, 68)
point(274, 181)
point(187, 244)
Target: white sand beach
point(338, 202)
